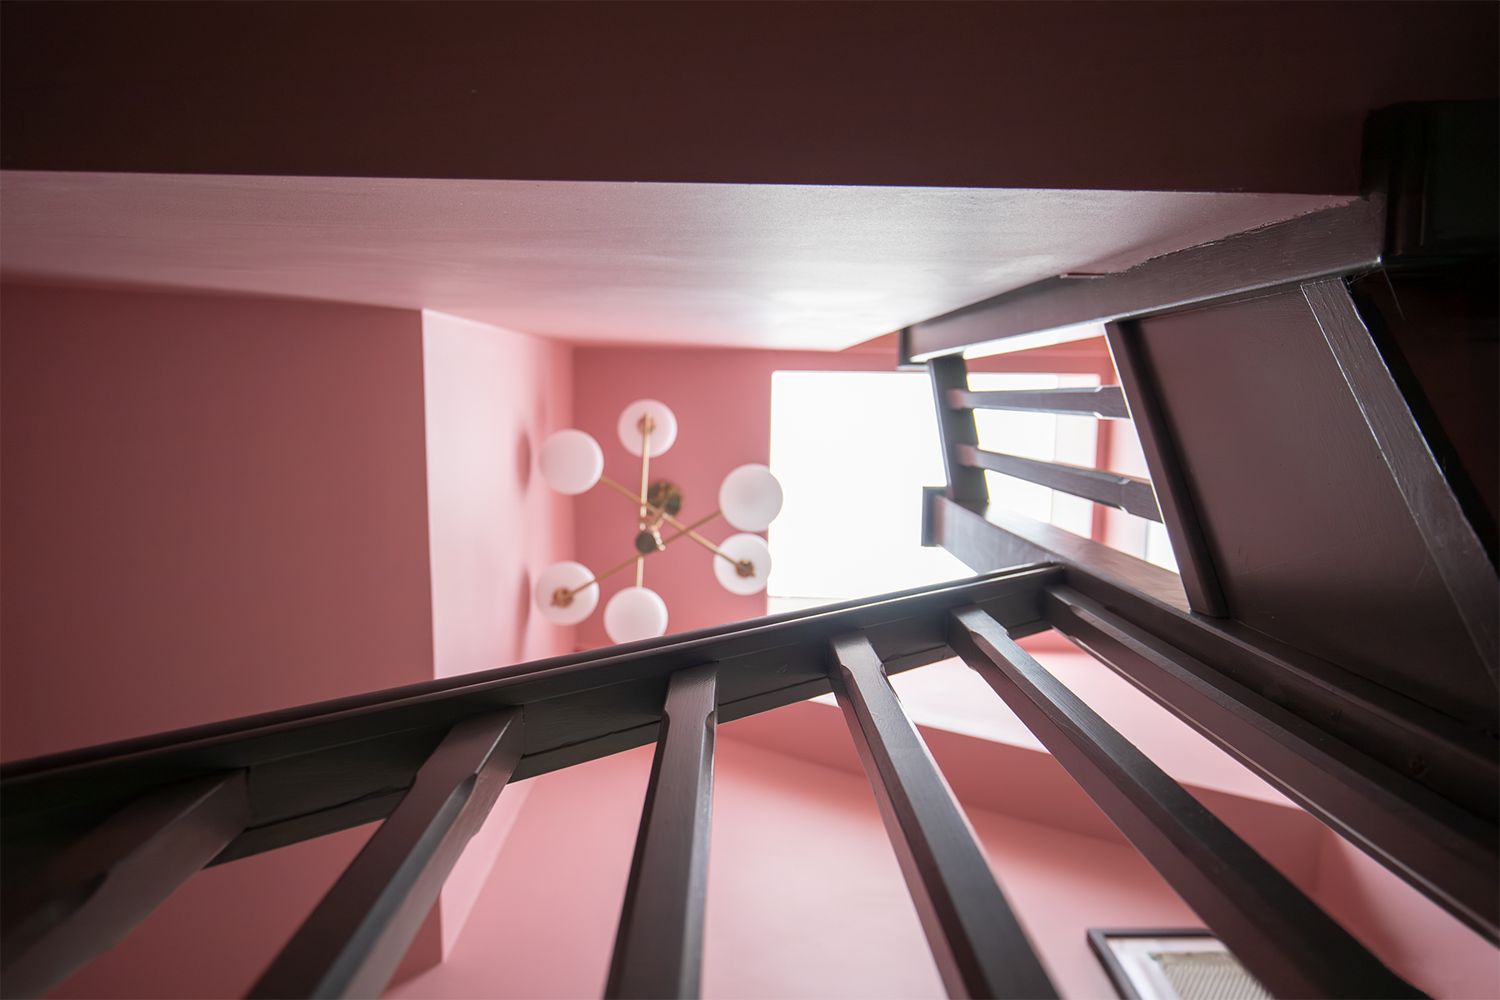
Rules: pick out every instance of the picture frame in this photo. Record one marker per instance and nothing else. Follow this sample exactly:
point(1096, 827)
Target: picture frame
point(1158, 964)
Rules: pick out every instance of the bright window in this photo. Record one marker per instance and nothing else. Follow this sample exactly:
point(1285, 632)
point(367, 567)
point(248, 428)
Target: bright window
point(853, 451)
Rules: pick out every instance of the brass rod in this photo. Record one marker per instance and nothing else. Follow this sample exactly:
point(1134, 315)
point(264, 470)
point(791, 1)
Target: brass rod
point(585, 585)
point(646, 427)
point(625, 491)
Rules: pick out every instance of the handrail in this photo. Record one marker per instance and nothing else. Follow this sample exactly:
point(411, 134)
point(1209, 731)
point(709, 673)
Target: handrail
point(1346, 239)
point(1113, 489)
point(430, 760)
point(1104, 401)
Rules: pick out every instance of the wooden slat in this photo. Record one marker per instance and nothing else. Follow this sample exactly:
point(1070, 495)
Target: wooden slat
point(1281, 936)
point(1132, 495)
point(1455, 547)
point(956, 430)
point(1344, 240)
point(1434, 750)
point(93, 892)
point(360, 930)
point(1446, 853)
point(659, 945)
point(1194, 562)
point(980, 948)
point(329, 766)
point(1104, 401)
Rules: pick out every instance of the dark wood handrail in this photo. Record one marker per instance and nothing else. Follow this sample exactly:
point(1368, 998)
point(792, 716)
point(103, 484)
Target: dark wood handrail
point(1105, 401)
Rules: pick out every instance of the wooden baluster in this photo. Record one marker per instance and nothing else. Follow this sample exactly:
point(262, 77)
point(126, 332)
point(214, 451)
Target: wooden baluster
point(956, 428)
point(980, 948)
point(91, 894)
point(1178, 513)
point(1280, 935)
point(659, 945)
point(1129, 493)
point(360, 930)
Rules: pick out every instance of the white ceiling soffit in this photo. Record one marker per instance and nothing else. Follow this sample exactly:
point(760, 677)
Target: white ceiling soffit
point(708, 264)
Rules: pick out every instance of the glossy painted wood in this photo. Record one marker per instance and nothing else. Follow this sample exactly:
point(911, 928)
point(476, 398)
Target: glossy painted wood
point(1194, 561)
point(659, 944)
point(1343, 240)
point(324, 767)
point(956, 430)
point(1128, 493)
point(1311, 538)
point(359, 932)
point(1103, 401)
point(1281, 936)
point(89, 896)
point(979, 946)
point(1454, 546)
point(1442, 842)
point(1455, 760)
point(1443, 851)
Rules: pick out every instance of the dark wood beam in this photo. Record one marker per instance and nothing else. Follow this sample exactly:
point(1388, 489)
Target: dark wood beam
point(1455, 547)
point(956, 430)
point(1194, 561)
point(1280, 935)
point(980, 947)
point(89, 896)
point(1336, 241)
point(328, 766)
point(659, 945)
point(1103, 401)
point(1128, 493)
point(359, 932)
point(1446, 853)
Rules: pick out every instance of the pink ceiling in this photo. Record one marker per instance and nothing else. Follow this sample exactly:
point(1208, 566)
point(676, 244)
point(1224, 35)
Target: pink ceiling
point(714, 264)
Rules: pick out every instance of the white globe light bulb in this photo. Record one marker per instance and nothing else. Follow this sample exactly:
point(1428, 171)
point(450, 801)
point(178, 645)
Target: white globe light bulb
point(571, 462)
point(569, 608)
point(750, 498)
point(635, 613)
point(751, 566)
point(663, 425)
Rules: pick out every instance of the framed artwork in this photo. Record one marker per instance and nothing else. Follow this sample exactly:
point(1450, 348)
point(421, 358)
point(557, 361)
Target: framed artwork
point(1173, 964)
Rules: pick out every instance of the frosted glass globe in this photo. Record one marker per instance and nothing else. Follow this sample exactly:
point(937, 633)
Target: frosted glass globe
point(663, 431)
point(750, 498)
point(751, 548)
point(571, 462)
point(570, 576)
point(635, 613)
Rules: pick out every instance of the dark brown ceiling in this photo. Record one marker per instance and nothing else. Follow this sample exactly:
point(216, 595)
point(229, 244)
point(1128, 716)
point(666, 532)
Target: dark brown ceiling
point(1148, 96)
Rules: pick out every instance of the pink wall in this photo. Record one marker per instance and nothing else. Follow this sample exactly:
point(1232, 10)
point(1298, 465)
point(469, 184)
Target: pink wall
point(217, 506)
point(492, 396)
point(213, 507)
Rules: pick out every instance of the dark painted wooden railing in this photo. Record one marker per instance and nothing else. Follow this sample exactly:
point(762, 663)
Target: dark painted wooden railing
point(94, 839)
point(107, 833)
point(1353, 667)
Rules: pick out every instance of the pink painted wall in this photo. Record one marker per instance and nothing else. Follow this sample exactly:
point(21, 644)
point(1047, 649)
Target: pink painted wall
point(492, 396)
point(217, 506)
point(214, 506)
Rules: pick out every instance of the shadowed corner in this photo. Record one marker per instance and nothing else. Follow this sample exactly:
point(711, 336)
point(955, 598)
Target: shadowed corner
point(522, 615)
point(523, 459)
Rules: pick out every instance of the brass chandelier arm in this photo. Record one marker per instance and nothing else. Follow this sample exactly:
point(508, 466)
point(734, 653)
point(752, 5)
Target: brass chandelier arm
point(647, 426)
point(564, 595)
point(625, 491)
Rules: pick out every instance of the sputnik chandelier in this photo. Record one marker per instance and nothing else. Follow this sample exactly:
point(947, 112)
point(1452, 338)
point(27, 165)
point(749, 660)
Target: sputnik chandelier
point(572, 462)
